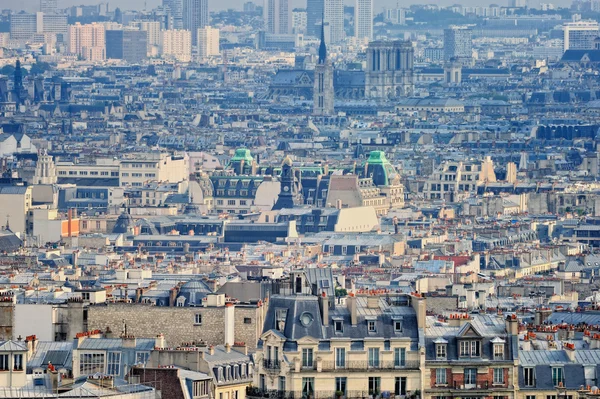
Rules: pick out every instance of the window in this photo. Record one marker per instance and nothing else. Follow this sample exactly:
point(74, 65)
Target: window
point(338, 326)
point(371, 325)
point(340, 385)
point(344, 249)
point(91, 363)
point(528, 373)
point(400, 386)
point(18, 362)
point(231, 202)
point(219, 202)
point(142, 357)
point(498, 376)
point(280, 315)
point(397, 326)
point(557, 376)
point(200, 388)
point(247, 320)
point(3, 362)
point(374, 385)
point(114, 363)
point(529, 396)
point(498, 351)
point(198, 318)
point(243, 202)
point(399, 357)
point(441, 377)
point(550, 396)
point(441, 351)
point(281, 385)
point(470, 378)
point(374, 357)
point(340, 357)
point(262, 383)
point(469, 349)
point(307, 357)
point(308, 386)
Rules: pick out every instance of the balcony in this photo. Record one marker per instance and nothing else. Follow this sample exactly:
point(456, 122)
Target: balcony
point(255, 393)
point(362, 365)
point(271, 364)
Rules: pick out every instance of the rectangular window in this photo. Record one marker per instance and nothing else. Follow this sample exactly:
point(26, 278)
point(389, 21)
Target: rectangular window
point(198, 318)
point(557, 376)
point(464, 348)
point(247, 320)
point(281, 385)
point(91, 363)
point(529, 376)
point(498, 376)
point(3, 362)
point(308, 386)
point(474, 348)
point(399, 357)
point(231, 202)
point(400, 386)
point(307, 357)
point(529, 396)
point(470, 377)
point(18, 363)
point(374, 357)
point(441, 351)
point(114, 363)
point(142, 357)
point(498, 352)
point(371, 325)
point(340, 357)
point(339, 326)
point(441, 377)
point(374, 385)
point(340, 385)
point(550, 396)
point(397, 326)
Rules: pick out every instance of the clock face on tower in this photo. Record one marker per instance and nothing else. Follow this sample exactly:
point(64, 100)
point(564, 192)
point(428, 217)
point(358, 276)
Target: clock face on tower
point(286, 188)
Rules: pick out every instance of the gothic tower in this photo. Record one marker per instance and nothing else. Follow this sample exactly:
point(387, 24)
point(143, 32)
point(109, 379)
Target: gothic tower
point(45, 169)
point(323, 94)
point(290, 193)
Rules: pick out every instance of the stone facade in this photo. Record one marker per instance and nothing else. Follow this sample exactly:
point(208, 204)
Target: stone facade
point(178, 324)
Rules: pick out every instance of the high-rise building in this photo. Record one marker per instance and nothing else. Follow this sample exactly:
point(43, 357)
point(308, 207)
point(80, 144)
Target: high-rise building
point(55, 24)
point(278, 17)
point(208, 42)
point(363, 20)
point(24, 25)
point(334, 21)
point(152, 29)
point(458, 43)
point(299, 20)
point(128, 45)
point(195, 14)
point(176, 44)
point(176, 9)
point(517, 3)
point(323, 93)
point(390, 70)
point(396, 16)
point(314, 17)
point(580, 35)
point(88, 41)
point(49, 6)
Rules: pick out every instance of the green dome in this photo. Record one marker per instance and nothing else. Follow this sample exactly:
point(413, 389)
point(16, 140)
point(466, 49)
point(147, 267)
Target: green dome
point(242, 154)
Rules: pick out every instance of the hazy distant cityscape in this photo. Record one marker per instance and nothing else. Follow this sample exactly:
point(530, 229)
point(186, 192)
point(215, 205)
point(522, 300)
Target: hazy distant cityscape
point(300, 199)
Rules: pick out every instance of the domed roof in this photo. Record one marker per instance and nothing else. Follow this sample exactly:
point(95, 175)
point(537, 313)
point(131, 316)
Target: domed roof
point(194, 286)
point(191, 209)
point(242, 154)
point(123, 224)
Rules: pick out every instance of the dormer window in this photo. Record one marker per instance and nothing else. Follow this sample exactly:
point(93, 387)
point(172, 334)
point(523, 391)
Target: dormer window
point(397, 322)
point(441, 349)
point(371, 326)
point(338, 326)
point(469, 349)
point(280, 316)
point(498, 348)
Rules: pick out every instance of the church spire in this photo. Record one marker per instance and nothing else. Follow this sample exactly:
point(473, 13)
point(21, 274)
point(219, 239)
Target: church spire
point(322, 46)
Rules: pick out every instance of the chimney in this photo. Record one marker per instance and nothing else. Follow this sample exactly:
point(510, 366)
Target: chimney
point(512, 325)
point(227, 348)
point(229, 314)
point(351, 304)
point(159, 341)
point(373, 302)
point(241, 348)
point(108, 333)
point(138, 294)
point(173, 296)
point(54, 379)
point(211, 350)
point(570, 350)
point(324, 305)
point(338, 204)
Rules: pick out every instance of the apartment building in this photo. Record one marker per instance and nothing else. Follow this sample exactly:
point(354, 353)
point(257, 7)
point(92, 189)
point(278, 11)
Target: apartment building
point(88, 41)
point(208, 42)
point(176, 44)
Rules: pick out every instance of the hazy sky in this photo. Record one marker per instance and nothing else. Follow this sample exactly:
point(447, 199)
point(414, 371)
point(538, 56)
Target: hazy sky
point(31, 5)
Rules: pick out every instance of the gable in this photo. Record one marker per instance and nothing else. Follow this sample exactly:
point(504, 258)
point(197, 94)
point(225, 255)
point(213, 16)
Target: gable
point(468, 331)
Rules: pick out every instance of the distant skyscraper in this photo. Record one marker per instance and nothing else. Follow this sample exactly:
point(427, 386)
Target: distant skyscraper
point(580, 35)
point(129, 45)
point(176, 9)
point(195, 16)
point(334, 21)
point(517, 3)
point(299, 20)
point(152, 29)
point(49, 6)
point(323, 93)
point(208, 42)
point(314, 17)
point(278, 16)
point(458, 43)
point(363, 20)
point(23, 25)
point(88, 41)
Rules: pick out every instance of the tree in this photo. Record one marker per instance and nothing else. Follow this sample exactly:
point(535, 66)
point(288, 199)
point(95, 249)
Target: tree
point(340, 292)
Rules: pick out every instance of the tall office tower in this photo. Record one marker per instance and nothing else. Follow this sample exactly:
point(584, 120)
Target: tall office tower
point(49, 6)
point(580, 35)
point(195, 14)
point(152, 29)
point(363, 20)
point(23, 25)
point(323, 93)
point(396, 16)
point(458, 43)
point(334, 21)
point(176, 10)
point(517, 3)
point(314, 17)
point(128, 45)
point(390, 70)
point(278, 17)
point(88, 41)
point(55, 24)
point(208, 42)
point(299, 20)
point(176, 44)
